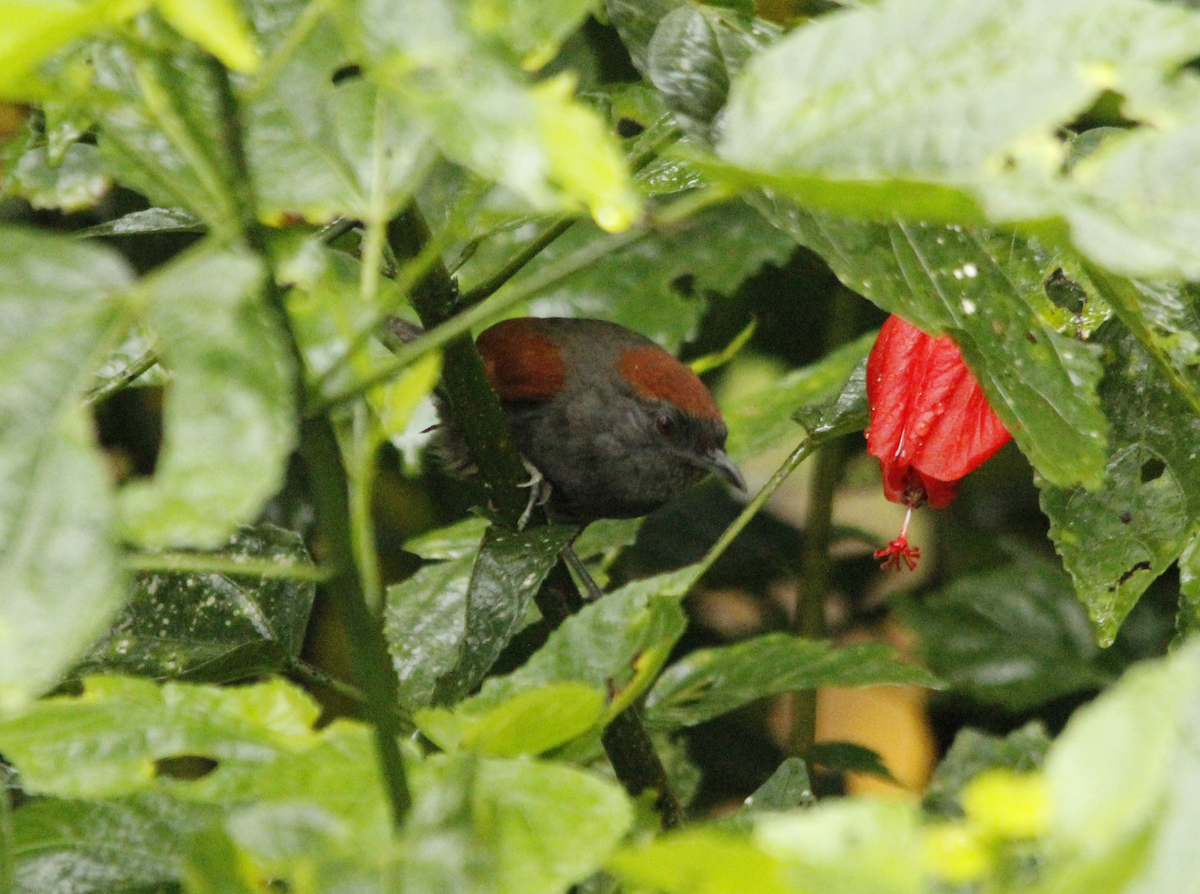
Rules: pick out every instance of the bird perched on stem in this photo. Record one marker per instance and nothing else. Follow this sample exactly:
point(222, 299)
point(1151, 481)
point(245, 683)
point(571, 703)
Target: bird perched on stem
point(615, 425)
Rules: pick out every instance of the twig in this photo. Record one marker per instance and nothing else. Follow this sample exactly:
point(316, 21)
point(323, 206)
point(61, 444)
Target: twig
point(124, 379)
point(208, 563)
point(371, 664)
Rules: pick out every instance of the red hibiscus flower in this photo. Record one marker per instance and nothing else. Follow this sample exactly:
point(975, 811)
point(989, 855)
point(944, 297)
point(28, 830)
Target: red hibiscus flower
point(930, 423)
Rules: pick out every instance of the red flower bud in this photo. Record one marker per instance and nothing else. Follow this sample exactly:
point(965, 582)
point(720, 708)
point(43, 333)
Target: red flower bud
point(930, 423)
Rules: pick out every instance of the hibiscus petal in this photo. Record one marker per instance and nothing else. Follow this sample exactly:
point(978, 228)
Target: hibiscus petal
point(930, 423)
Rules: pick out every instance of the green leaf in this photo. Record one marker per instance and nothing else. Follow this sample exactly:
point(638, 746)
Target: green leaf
point(710, 682)
point(1116, 540)
point(106, 741)
point(973, 752)
point(848, 757)
point(424, 622)
point(615, 645)
point(58, 565)
point(787, 788)
point(1014, 636)
point(322, 145)
point(701, 861)
point(229, 420)
point(76, 182)
point(1187, 622)
point(509, 570)
point(212, 627)
point(217, 25)
point(987, 291)
point(636, 22)
point(531, 722)
point(452, 542)
point(845, 846)
point(695, 53)
point(1110, 218)
point(35, 31)
point(1124, 776)
point(653, 286)
point(547, 148)
point(762, 418)
point(508, 827)
point(845, 412)
point(132, 843)
point(160, 130)
point(533, 29)
point(152, 220)
point(875, 113)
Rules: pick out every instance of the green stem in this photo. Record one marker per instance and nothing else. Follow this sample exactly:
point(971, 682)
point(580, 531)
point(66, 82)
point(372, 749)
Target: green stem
point(7, 834)
point(489, 286)
point(207, 563)
point(809, 619)
point(370, 661)
point(550, 275)
point(802, 452)
point(514, 265)
point(127, 377)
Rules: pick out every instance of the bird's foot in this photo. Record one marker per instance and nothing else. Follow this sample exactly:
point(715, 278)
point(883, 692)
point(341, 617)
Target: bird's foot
point(539, 492)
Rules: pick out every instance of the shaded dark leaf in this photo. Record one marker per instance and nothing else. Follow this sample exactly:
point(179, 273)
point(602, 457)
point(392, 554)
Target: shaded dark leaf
point(212, 627)
point(508, 571)
point(846, 757)
point(1015, 636)
point(710, 682)
point(972, 753)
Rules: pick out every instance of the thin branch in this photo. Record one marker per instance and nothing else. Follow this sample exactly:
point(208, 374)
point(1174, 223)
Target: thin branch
point(550, 275)
point(802, 452)
point(809, 619)
point(207, 563)
point(370, 661)
point(514, 265)
point(124, 379)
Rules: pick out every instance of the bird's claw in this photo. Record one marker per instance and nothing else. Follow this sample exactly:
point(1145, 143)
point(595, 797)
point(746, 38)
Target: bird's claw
point(539, 492)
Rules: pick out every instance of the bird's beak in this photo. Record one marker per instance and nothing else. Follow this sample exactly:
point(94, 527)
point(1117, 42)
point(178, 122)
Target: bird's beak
point(716, 461)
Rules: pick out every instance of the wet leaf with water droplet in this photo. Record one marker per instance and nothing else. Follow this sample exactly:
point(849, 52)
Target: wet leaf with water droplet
point(1040, 383)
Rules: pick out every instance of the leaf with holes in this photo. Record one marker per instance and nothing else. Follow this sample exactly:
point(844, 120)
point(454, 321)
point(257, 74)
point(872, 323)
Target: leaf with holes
point(106, 742)
point(229, 422)
point(1117, 540)
point(60, 301)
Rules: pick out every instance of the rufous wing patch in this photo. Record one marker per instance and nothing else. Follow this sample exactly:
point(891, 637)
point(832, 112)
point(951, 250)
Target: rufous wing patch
point(521, 363)
point(654, 374)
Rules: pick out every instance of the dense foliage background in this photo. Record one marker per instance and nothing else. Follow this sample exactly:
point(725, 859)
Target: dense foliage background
point(250, 641)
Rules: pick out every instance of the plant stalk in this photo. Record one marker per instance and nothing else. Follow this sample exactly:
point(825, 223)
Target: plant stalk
point(809, 618)
point(370, 661)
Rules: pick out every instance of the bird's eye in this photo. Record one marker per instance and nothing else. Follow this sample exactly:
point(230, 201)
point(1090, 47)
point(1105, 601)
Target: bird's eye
point(665, 426)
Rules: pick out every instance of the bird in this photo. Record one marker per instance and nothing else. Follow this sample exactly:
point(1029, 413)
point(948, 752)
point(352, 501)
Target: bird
point(612, 423)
